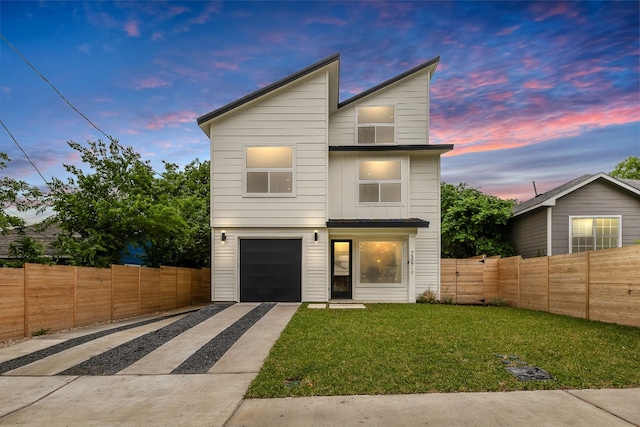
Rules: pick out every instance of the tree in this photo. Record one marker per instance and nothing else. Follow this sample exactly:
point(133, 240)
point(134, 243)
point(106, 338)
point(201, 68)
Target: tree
point(15, 194)
point(116, 206)
point(629, 168)
point(188, 192)
point(473, 223)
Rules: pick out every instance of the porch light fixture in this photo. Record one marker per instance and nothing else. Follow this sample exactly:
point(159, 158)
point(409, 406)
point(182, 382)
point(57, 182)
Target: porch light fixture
point(315, 236)
point(224, 237)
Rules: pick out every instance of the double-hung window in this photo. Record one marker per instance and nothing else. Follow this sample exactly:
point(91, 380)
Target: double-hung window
point(380, 181)
point(376, 125)
point(593, 233)
point(269, 170)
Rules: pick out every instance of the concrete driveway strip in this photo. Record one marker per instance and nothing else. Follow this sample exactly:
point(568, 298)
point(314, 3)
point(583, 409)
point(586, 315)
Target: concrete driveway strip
point(171, 354)
point(520, 408)
point(59, 362)
point(249, 352)
point(127, 400)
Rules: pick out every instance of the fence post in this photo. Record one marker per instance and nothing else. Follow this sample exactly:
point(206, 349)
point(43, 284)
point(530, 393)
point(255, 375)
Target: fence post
point(588, 278)
point(519, 279)
point(75, 295)
point(111, 269)
point(26, 299)
point(548, 280)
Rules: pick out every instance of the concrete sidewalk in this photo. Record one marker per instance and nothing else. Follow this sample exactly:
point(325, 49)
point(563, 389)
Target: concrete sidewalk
point(619, 407)
point(146, 394)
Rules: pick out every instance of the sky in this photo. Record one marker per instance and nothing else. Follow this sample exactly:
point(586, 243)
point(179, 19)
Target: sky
point(526, 91)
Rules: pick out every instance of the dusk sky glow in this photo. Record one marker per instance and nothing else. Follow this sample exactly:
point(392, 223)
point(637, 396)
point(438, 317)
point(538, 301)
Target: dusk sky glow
point(527, 91)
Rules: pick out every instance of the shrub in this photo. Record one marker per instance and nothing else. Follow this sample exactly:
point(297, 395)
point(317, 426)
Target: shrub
point(427, 297)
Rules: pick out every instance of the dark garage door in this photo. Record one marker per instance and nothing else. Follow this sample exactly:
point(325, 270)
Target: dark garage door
point(270, 270)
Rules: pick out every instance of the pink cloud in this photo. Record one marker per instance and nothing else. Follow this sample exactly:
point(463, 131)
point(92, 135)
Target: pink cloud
point(203, 17)
point(501, 96)
point(486, 79)
point(548, 9)
point(150, 83)
point(536, 84)
point(507, 31)
point(158, 35)
point(326, 20)
point(172, 119)
point(131, 28)
point(525, 130)
point(6, 89)
point(225, 65)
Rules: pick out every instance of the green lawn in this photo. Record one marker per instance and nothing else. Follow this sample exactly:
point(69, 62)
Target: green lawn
point(419, 348)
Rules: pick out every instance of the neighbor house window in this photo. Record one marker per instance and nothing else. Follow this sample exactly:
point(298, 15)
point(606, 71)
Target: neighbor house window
point(592, 233)
point(381, 262)
point(269, 170)
point(380, 181)
point(376, 125)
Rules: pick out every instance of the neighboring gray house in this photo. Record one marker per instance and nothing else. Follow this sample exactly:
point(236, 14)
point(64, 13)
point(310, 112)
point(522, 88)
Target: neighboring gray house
point(591, 212)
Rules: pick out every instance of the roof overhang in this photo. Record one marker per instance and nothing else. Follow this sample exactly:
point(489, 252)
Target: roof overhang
point(378, 223)
point(429, 148)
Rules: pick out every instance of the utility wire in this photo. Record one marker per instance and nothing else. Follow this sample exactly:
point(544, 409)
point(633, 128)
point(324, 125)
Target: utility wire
point(53, 87)
point(64, 99)
point(23, 152)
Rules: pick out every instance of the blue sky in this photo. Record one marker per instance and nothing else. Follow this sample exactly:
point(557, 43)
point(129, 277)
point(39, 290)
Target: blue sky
point(527, 91)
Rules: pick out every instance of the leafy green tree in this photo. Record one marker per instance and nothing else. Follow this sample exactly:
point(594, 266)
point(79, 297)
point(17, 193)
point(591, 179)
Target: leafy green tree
point(27, 249)
point(629, 168)
point(115, 205)
point(473, 223)
point(187, 192)
point(15, 194)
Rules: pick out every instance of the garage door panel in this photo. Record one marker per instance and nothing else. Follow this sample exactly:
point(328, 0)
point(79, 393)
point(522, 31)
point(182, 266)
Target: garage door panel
point(270, 270)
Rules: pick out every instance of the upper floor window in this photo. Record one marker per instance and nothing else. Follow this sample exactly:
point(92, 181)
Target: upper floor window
point(269, 170)
point(593, 233)
point(376, 125)
point(380, 181)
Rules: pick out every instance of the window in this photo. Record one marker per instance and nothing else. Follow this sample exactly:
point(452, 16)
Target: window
point(381, 262)
point(593, 233)
point(376, 125)
point(269, 170)
point(380, 181)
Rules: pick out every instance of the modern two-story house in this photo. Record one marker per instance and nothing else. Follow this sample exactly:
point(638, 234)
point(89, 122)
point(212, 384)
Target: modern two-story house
point(313, 199)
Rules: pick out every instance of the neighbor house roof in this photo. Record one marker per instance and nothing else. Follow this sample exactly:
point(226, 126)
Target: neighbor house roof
point(549, 198)
point(46, 237)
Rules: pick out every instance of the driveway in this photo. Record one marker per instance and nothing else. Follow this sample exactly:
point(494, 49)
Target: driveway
point(168, 379)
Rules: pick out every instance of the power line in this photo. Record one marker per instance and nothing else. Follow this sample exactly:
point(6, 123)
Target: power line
point(24, 152)
point(53, 87)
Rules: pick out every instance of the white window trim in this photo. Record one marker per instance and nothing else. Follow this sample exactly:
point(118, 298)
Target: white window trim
point(395, 124)
point(269, 195)
point(391, 239)
point(402, 181)
point(571, 217)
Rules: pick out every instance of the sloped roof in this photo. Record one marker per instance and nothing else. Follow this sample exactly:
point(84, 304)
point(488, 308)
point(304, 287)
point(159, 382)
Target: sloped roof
point(549, 198)
point(45, 237)
point(335, 58)
point(332, 61)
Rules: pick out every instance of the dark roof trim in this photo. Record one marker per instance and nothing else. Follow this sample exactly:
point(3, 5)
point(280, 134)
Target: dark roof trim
point(390, 81)
point(365, 148)
point(273, 86)
point(378, 223)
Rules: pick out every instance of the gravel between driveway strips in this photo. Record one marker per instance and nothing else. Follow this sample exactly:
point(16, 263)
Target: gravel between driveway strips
point(112, 361)
point(21, 361)
point(202, 360)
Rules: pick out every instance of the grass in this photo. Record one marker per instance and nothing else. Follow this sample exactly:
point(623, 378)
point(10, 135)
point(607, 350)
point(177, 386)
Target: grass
point(417, 348)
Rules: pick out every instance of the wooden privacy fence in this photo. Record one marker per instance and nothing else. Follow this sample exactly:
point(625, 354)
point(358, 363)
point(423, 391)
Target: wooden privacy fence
point(40, 297)
point(598, 285)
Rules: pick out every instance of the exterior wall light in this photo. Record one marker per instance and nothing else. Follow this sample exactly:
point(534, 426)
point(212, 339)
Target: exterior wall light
point(315, 236)
point(224, 237)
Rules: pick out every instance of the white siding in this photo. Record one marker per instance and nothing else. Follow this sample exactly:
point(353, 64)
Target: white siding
point(297, 116)
point(343, 188)
point(226, 260)
point(411, 98)
point(425, 204)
